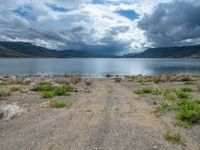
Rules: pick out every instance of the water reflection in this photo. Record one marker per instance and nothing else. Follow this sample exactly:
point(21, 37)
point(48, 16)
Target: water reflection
point(99, 66)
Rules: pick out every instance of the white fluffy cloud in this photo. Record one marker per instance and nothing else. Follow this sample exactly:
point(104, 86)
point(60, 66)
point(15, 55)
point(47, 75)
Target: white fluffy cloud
point(90, 25)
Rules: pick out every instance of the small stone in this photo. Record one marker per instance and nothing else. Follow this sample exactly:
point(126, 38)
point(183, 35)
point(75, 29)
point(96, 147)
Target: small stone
point(154, 102)
point(155, 147)
point(1, 114)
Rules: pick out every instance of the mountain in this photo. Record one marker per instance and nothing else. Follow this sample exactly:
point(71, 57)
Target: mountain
point(170, 52)
point(4, 52)
point(22, 49)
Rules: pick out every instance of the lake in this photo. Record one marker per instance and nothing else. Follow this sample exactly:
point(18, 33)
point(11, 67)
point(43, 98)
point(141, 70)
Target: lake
point(99, 66)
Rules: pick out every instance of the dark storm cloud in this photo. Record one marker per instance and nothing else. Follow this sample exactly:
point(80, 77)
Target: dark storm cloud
point(176, 23)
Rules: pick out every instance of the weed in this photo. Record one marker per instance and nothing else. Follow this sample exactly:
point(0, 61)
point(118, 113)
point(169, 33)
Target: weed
point(186, 89)
point(162, 109)
point(59, 104)
point(174, 138)
point(43, 86)
point(4, 92)
point(189, 111)
point(153, 91)
point(189, 83)
point(48, 94)
point(182, 95)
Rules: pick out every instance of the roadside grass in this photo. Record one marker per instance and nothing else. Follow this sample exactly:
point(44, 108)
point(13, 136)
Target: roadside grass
point(186, 89)
point(182, 95)
point(48, 90)
point(174, 138)
point(4, 92)
point(153, 91)
point(59, 104)
point(189, 83)
point(48, 94)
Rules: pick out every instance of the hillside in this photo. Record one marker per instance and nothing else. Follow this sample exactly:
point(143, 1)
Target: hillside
point(171, 52)
point(29, 50)
point(4, 52)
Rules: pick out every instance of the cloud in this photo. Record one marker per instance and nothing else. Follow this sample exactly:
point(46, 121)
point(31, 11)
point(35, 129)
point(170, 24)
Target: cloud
point(106, 26)
point(174, 23)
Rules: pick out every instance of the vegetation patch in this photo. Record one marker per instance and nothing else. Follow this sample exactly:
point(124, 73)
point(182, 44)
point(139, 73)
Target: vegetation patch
point(4, 92)
point(189, 111)
point(49, 90)
point(189, 83)
point(43, 86)
point(153, 91)
point(182, 95)
point(59, 104)
point(186, 89)
point(48, 94)
point(174, 138)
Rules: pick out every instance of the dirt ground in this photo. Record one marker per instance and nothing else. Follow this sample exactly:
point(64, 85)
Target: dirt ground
point(105, 115)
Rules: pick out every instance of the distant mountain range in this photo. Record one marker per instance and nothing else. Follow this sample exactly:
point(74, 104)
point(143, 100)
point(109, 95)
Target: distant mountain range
point(169, 52)
point(27, 50)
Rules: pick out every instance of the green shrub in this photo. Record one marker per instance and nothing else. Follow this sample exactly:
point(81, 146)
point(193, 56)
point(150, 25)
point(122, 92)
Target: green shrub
point(62, 90)
point(161, 109)
point(189, 111)
point(4, 92)
point(189, 83)
point(43, 86)
point(174, 138)
point(182, 95)
point(169, 94)
point(59, 104)
point(48, 94)
point(186, 89)
point(153, 91)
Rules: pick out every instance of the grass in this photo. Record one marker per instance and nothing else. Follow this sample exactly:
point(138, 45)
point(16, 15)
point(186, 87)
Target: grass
point(59, 104)
point(162, 109)
point(43, 86)
point(49, 90)
point(174, 138)
point(4, 92)
point(48, 94)
point(189, 111)
point(189, 83)
point(182, 95)
point(170, 94)
point(186, 89)
point(153, 91)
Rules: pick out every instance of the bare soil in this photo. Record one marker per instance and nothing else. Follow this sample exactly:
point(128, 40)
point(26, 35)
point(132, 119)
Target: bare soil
point(105, 115)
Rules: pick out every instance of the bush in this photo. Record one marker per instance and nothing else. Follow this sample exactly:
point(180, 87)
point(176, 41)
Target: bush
point(59, 104)
point(174, 138)
point(48, 94)
point(186, 89)
point(182, 95)
point(62, 90)
point(189, 111)
point(15, 88)
point(43, 86)
point(189, 83)
point(153, 91)
point(4, 92)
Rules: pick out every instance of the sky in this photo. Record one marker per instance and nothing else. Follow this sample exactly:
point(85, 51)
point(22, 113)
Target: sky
point(101, 26)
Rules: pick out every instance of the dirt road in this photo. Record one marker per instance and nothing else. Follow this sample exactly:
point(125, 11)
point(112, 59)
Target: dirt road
point(109, 117)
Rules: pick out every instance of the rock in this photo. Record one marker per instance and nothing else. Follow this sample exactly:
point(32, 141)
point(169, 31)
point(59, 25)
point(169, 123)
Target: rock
point(118, 79)
point(88, 82)
point(154, 102)
point(155, 147)
point(9, 111)
point(1, 114)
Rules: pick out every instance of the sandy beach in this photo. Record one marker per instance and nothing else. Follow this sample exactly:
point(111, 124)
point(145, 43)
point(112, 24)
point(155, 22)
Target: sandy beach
point(101, 113)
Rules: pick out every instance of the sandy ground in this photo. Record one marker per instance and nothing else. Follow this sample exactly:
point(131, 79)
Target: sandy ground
point(106, 115)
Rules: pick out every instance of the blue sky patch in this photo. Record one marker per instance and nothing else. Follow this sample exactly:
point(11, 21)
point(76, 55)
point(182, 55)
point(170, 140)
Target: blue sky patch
point(130, 14)
point(57, 8)
point(26, 12)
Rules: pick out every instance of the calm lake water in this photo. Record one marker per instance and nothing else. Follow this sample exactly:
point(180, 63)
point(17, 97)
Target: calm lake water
point(99, 66)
